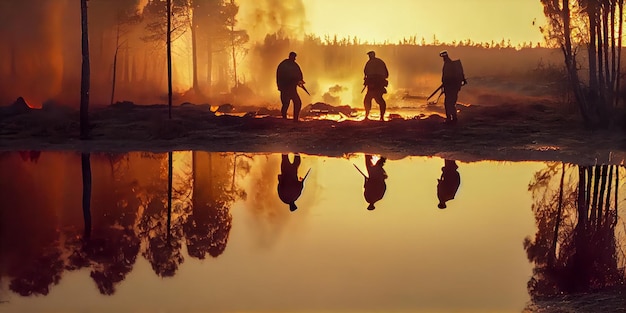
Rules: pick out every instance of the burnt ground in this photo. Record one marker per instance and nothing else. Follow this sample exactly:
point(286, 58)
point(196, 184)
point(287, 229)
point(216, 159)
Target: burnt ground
point(506, 132)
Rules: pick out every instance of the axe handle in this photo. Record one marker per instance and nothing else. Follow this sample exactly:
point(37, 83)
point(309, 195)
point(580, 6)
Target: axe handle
point(434, 92)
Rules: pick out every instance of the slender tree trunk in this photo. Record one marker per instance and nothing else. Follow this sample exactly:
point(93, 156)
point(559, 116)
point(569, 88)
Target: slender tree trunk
point(570, 63)
point(603, 175)
point(616, 194)
point(619, 46)
point(209, 65)
point(593, 72)
point(596, 185)
point(85, 74)
point(86, 171)
point(232, 42)
point(170, 167)
point(582, 193)
point(117, 49)
point(605, 48)
point(608, 196)
point(557, 224)
point(169, 57)
point(194, 49)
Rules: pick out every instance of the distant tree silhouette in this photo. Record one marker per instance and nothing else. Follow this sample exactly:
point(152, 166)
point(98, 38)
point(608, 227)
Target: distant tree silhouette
point(85, 73)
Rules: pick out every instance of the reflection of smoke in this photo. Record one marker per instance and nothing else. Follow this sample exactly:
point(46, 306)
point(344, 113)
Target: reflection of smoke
point(263, 17)
point(333, 96)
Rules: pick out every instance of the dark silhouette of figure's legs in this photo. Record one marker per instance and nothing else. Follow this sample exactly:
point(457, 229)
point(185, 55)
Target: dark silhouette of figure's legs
point(382, 104)
point(297, 105)
point(450, 104)
point(367, 103)
point(284, 99)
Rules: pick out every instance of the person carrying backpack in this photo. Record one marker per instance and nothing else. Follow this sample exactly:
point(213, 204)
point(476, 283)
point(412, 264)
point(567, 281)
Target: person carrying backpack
point(452, 78)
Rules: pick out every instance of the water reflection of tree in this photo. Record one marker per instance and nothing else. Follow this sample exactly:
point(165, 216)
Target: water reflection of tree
point(208, 225)
point(112, 248)
point(29, 238)
point(163, 236)
point(574, 249)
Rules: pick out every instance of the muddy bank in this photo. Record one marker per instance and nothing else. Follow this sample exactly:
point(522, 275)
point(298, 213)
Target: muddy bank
point(505, 132)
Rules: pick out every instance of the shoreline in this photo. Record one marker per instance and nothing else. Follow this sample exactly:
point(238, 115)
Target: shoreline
point(502, 133)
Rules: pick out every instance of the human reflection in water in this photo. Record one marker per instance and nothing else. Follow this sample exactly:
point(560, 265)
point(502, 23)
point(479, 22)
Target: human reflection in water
point(289, 184)
point(374, 186)
point(448, 183)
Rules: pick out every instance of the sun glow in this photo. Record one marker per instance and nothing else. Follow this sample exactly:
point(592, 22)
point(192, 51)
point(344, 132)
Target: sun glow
point(182, 64)
point(453, 20)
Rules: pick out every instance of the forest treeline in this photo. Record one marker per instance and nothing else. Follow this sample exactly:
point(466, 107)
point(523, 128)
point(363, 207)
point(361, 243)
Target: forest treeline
point(211, 55)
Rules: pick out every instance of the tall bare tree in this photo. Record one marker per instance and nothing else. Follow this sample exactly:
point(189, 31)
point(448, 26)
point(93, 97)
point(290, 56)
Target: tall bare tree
point(576, 24)
point(85, 74)
point(168, 43)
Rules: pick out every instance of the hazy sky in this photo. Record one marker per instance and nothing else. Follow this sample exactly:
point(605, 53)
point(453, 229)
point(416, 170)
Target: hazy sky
point(479, 20)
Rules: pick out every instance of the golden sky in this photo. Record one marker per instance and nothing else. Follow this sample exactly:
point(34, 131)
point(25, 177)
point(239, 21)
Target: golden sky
point(478, 20)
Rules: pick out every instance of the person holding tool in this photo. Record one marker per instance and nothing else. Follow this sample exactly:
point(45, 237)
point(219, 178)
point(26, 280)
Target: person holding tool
point(288, 79)
point(289, 184)
point(375, 80)
point(452, 78)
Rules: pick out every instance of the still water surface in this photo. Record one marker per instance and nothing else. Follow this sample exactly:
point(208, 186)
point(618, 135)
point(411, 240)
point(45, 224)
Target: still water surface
point(93, 233)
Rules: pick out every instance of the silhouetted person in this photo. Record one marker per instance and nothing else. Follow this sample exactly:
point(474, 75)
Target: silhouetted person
point(288, 78)
point(448, 183)
point(375, 186)
point(289, 184)
point(452, 78)
point(375, 80)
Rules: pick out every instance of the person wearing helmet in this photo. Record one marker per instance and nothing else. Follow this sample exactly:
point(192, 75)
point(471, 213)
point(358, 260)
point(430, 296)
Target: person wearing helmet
point(448, 184)
point(374, 187)
point(288, 78)
point(375, 80)
point(452, 78)
point(289, 184)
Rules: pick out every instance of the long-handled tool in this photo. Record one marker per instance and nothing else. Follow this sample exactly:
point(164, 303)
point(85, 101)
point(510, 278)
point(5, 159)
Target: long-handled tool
point(358, 169)
point(302, 86)
point(434, 92)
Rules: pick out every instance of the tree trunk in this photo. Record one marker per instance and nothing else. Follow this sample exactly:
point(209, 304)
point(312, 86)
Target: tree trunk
point(232, 42)
point(117, 49)
point(170, 161)
point(169, 57)
point(570, 64)
point(555, 238)
point(582, 192)
point(86, 171)
point(619, 46)
point(596, 185)
point(209, 65)
point(603, 175)
point(593, 72)
point(85, 73)
point(194, 52)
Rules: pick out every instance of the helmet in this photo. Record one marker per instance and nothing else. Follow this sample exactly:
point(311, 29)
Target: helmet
point(443, 53)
